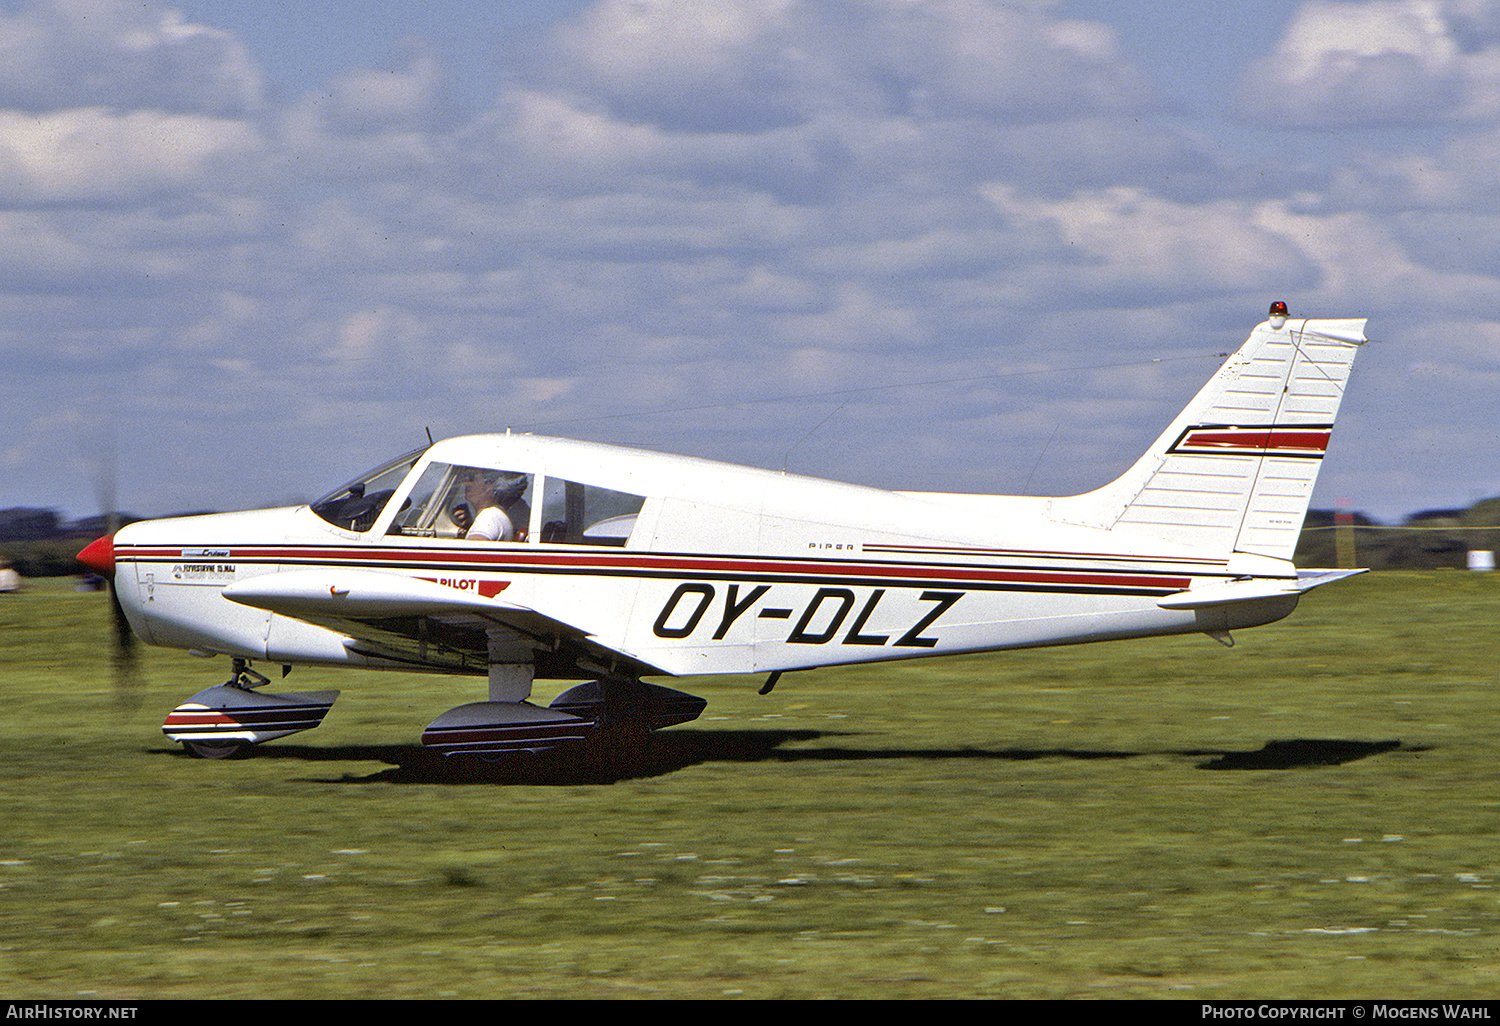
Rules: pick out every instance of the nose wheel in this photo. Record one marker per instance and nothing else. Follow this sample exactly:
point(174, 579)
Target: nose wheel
point(215, 749)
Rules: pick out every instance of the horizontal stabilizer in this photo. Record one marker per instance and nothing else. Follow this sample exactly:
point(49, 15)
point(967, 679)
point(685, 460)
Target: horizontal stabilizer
point(1252, 589)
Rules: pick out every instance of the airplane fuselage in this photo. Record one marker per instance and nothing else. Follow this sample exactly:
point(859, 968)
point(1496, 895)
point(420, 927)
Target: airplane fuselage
point(732, 576)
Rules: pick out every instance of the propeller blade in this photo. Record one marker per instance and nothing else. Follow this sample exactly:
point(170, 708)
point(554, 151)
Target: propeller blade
point(99, 557)
point(128, 679)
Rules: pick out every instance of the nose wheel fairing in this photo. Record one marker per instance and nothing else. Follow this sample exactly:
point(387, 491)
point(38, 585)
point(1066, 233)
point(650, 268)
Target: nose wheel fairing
point(219, 720)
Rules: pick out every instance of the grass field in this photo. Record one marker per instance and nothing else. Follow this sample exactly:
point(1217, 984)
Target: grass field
point(1313, 813)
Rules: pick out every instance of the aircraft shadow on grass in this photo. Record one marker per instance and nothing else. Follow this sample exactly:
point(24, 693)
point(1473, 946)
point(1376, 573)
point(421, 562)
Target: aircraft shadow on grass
point(663, 753)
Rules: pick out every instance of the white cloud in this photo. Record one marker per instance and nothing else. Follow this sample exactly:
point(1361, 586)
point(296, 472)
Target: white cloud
point(999, 60)
point(1125, 241)
point(701, 65)
point(1362, 260)
point(1380, 62)
point(857, 321)
point(89, 154)
point(84, 53)
point(756, 65)
point(412, 97)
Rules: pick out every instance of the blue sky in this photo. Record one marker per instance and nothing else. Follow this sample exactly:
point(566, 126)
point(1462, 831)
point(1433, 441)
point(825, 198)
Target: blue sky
point(955, 244)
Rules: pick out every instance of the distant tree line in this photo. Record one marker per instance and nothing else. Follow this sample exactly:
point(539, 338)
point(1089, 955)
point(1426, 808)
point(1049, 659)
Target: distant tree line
point(40, 543)
point(1429, 540)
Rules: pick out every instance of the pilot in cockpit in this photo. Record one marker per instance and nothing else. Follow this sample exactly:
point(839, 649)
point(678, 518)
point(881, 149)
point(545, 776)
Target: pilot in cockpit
point(500, 513)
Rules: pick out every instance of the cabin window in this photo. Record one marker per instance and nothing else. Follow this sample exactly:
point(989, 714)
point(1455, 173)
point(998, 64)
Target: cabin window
point(356, 505)
point(581, 514)
point(454, 501)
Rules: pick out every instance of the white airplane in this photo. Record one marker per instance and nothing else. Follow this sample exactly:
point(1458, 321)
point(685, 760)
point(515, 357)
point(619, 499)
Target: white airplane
point(515, 557)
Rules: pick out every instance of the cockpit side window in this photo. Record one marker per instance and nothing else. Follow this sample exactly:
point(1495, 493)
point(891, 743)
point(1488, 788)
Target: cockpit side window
point(453, 501)
point(356, 505)
point(574, 513)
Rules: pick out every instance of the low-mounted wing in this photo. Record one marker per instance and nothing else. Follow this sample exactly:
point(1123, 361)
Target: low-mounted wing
point(409, 619)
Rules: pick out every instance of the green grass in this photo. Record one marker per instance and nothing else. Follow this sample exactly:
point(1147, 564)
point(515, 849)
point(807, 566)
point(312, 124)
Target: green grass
point(1114, 820)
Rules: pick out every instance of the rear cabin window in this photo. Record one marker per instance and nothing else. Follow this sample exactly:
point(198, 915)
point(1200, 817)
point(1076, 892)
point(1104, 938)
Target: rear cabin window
point(582, 514)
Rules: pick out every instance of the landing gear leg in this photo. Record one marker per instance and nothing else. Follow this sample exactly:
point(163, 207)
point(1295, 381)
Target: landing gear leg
point(244, 678)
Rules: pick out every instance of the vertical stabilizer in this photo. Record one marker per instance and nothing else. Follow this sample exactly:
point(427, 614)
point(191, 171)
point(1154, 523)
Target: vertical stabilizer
point(1235, 471)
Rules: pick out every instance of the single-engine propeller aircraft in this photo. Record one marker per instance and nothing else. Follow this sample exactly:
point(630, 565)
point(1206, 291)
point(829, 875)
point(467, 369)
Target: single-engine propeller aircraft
point(514, 557)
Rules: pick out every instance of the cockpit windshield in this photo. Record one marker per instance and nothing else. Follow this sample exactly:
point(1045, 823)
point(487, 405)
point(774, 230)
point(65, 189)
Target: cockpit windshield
point(483, 503)
point(356, 505)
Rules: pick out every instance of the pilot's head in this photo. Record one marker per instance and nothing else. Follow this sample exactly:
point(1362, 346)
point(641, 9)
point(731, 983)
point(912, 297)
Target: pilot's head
point(479, 489)
point(509, 492)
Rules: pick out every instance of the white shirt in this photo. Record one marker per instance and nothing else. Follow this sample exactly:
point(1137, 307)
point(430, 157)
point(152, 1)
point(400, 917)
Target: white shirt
point(491, 524)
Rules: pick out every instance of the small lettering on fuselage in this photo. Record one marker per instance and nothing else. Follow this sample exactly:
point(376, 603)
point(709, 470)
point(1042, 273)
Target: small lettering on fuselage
point(202, 571)
point(487, 589)
point(821, 620)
